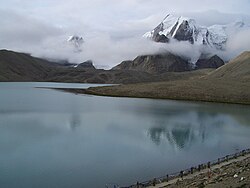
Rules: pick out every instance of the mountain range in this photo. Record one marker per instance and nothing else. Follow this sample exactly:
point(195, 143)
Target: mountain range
point(167, 62)
point(165, 66)
point(186, 29)
point(16, 66)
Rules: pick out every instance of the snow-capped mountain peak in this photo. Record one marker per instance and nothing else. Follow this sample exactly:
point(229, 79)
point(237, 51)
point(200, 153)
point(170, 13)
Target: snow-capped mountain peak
point(186, 29)
point(171, 24)
point(76, 40)
point(180, 28)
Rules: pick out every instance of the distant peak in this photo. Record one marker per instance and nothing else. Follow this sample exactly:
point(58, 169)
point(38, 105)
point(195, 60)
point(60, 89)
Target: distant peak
point(77, 41)
point(75, 38)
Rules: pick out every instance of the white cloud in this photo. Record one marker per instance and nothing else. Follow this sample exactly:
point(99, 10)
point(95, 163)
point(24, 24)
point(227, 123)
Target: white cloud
point(237, 43)
point(19, 31)
point(111, 29)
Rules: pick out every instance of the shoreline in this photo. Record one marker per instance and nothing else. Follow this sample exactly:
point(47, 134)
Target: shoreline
point(85, 91)
point(89, 91)
point(232, 92)
point(229, 171)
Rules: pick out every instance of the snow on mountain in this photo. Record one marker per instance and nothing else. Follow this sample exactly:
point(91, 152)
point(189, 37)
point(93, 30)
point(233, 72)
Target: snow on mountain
point(76, 41)
point(186, 29)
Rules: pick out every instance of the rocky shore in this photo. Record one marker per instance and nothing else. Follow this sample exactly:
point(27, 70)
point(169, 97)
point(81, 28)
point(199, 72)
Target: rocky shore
point(233, 175)
point(233, 172)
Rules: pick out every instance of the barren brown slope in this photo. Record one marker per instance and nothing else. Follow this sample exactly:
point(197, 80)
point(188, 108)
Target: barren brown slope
point(237, 69)
point(222, 85)
point(16, 66)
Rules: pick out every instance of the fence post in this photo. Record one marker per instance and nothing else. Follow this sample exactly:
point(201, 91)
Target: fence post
point(154, 182)
point(181, 174)
point(192, 170)
point(137, 185)
point(243, 152)
point(208, 165)
point(235, 156)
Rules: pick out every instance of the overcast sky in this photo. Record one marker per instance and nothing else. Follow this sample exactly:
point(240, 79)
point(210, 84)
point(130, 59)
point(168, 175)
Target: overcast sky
point(38, 26)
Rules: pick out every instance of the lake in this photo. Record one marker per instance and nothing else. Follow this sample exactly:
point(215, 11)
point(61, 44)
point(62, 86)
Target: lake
point(50, 138)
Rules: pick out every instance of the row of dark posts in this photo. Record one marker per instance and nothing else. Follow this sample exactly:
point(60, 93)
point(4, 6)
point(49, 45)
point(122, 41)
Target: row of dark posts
point(200, 167)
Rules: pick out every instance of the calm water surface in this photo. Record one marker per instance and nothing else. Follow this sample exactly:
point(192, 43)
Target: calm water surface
point(50, 138)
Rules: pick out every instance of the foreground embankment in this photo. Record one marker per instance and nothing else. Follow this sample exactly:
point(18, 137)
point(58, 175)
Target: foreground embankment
point(229, 171)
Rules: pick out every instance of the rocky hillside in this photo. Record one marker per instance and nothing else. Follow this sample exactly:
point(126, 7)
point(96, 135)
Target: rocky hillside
point(156, 64)
point(23, 67)
point(86, 65)
point(162, 63)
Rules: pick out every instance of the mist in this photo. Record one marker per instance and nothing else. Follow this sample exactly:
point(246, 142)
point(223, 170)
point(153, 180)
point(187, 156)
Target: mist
point(111, 40)
point(106, 52)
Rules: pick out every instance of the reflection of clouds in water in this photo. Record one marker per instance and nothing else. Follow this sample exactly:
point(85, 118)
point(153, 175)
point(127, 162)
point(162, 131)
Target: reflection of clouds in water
point(182, 125)
point(19, 129)
point(75, 121)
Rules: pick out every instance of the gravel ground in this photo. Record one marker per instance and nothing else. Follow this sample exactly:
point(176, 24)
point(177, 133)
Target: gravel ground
point(235, 174)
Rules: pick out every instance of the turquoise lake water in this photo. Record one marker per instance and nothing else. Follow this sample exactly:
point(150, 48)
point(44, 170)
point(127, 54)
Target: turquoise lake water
point(50, 138)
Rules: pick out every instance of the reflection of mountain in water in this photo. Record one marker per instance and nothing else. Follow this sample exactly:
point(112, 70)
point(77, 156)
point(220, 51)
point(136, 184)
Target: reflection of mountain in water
point(180, 136)
point(176, 136)
point(183, 130)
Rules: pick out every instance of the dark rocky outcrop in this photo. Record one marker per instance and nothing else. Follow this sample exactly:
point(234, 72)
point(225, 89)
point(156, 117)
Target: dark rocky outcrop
point(184, 33)
point(161, 38)
point(66, 63)
point(86, 65)
point(212, 62)
point(156, 64)
point(236, 69)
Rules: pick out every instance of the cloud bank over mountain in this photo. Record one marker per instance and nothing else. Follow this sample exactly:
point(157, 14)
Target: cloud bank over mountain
point(111, 30)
